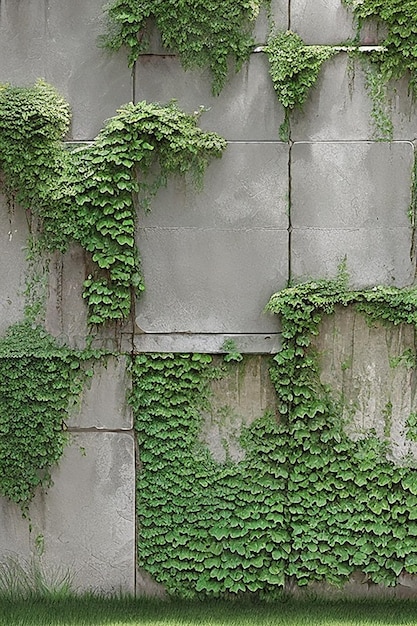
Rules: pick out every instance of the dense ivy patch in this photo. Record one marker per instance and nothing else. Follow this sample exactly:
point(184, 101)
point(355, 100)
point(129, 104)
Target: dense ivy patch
point(306, 504)
point(205, 33)
point(38, 380)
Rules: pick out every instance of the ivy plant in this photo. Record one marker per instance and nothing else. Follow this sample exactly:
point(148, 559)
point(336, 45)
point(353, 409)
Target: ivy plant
point(398, 19)
point(38, 381)
point(294, 68)
point(351, 508)
point(396, 59)
point(305, 504)
point(91, 194)
point(205, 33)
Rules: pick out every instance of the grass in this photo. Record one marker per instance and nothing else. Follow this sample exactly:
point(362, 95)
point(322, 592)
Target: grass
point(95, 611)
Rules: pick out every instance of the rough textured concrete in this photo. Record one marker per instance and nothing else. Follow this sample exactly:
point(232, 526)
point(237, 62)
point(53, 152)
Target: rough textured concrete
point(239, 398)
point(321, 21)
point(104, 400)
point(57, 41)
point(368, 366)
point(87, 519)
point(351, 200)
point(211, 343)
point(339, 106)
point(66, 312)
point(85, 525)
point(246, 109)
point(13, 237)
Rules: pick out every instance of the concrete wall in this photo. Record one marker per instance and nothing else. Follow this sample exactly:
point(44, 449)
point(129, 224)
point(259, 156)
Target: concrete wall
point(269, 211)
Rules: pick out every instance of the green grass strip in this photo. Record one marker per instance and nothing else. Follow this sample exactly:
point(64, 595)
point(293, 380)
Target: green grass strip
point(94, 611)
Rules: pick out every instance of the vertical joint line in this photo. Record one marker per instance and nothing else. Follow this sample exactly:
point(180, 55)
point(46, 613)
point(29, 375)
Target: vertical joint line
point(289, 15)
point(290, 144)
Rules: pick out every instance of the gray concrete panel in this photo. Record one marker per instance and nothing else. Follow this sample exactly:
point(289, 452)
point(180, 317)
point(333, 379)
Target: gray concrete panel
point(246, 188)
point(13, 237)
point(374, 256)
point(85, 525)
point(246, 109)
point(104, 400)
point(351, 185)
point(321, 21)
point(210, 280)
point(203, 252)
point(57, 41)
point(87, 519)
point(339, 106)
point(351, 200)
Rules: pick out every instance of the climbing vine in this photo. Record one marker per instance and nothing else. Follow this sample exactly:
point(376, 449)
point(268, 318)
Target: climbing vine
point(396, 58)
point(398, 20)
point(351, 508)
point(305, 504)
point(205, 33)
point(90, 194)
point(38, 380)
point(204, 527)
point(294, 68)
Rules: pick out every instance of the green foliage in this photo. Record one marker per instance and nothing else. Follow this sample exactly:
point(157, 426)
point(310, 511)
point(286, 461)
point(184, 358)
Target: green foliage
point(294, 66)
point(350, 508)
point(203, 527)
point(412, 426)
point(88, 195)
point(205, 33)
point(399, 57)
point(231, 352)
point(305, 504)
point(398, 18)
point(38, 379)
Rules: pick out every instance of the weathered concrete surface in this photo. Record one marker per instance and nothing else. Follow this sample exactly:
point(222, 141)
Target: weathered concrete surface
point(202, 259)
point(57, 41)
point(211, 343)
point(85, 524)
point(351, 200)
point(339, 106)
point(239, 398)
point(13, 237)
point(321, 21)
point(367, 365)
point(104, 402)
point(66, 311)
point(246, 109)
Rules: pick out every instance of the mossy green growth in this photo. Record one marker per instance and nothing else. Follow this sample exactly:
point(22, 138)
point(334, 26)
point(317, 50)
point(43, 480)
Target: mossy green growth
point(38, 381)
point(90, 195)
point(205, 33)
